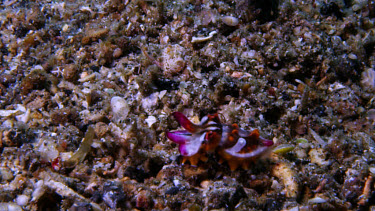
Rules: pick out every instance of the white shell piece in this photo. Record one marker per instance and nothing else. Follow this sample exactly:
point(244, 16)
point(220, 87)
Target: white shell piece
point(150, 120)
point(120, 108)
point(230, 20)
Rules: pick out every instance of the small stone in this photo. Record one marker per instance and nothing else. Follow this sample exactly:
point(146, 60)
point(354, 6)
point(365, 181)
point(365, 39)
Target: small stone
point(63, 116)
point(35, 80)
point(205, 184)
point(117, 53)
point(113, 194)
point(37, 103)
point(150, 102)
point(101, 129)
point(172, 190)
point(8, 113)
point(80, 206)
point(317, 156)
point(10, 206)
point(223, 195)
point(368, 79)
point(317, 200)
point(352, 56)
point(22, 200)
point(65, 28)
point(93, 35)
point(7, 79)
point(6, 174)
point(173, 60)
point(195, 175)
point(230, 21)
point(71, 73)
point(86, 77)
point(144, 200)
point(36, 18)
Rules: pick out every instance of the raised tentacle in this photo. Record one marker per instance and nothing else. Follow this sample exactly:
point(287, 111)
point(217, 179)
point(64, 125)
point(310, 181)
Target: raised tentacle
point(179, 137)
point(185, 122)
point(253, 154)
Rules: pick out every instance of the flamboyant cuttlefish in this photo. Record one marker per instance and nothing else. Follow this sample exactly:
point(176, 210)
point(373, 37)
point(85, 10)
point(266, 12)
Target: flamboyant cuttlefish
point(234, 145)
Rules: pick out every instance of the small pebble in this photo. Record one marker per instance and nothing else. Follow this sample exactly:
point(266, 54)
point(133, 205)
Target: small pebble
point(352, 56)
point(230, 21)
point(317, 200)
point(172, 190)
point(65, 28)
point(22, 200)
point(117, 52)
point(9, 206)
point(70, 72)
point(6, 174)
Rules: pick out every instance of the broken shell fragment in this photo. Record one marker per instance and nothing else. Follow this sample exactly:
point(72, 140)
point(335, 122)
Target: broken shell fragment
point(120, 108)
point(203, 39)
